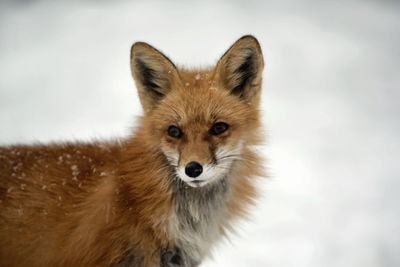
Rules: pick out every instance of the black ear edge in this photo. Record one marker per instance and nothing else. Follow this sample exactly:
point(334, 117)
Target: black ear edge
point(244, 64)
point(246, 73)
point(246, 40)
point(147, 77)
point(138, 47)
point(150, 78)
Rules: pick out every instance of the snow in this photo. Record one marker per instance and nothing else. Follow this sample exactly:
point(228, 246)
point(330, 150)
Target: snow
point(330, 106)
point(75, 170)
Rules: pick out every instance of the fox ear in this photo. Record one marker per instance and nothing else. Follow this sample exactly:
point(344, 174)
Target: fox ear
point(153, 72)
point(240, 69)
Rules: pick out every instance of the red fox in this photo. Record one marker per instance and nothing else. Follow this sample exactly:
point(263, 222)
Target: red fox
point(160, 197)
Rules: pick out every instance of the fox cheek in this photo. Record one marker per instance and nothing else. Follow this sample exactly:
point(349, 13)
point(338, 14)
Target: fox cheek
point(172, 156)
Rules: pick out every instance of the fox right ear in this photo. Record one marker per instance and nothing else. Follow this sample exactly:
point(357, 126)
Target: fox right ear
point(240, 69)
point(153, 72)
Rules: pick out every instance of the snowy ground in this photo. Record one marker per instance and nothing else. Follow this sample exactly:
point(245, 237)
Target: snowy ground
point(331, 106)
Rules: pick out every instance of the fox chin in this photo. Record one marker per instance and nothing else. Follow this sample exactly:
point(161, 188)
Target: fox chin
point(160, 197)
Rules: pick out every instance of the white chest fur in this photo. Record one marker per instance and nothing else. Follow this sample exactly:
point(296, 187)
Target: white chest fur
point(198, 220)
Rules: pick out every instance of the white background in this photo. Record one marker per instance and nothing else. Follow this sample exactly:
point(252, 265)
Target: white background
point(330, 106)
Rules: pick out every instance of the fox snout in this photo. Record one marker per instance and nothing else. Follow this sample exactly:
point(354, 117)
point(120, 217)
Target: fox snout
point(197, 171)
point(194, 159)
point(193, 169)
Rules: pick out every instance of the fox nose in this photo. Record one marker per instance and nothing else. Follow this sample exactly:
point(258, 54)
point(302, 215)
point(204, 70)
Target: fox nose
point(193, 169)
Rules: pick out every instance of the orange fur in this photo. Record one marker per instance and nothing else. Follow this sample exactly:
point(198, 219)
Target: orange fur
point(97, 204)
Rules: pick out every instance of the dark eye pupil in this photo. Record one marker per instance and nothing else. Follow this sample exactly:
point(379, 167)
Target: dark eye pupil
point(174, 131)
point(219, 128)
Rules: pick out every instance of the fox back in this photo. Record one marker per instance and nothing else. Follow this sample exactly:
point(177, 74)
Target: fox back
point(161, 196)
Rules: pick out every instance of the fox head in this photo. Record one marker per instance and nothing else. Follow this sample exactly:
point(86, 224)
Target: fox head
point(201, 120)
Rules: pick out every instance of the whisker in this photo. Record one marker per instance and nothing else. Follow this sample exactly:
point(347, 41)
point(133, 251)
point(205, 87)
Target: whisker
point(222, 168)
point(230, 159)
point(238, 156)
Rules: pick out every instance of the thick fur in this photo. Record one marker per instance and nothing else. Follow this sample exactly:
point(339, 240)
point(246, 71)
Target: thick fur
point(124, 203)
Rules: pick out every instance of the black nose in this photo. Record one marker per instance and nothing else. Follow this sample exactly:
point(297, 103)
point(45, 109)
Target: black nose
point(193, 169)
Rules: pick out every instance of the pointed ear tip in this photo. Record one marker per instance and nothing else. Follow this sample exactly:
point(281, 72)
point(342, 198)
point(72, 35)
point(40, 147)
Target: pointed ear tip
point(138, 46)
point(249, 40)
point(249, 37)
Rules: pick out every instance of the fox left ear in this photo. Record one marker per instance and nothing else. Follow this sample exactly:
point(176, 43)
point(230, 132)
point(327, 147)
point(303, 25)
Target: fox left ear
point(240, 69)
point(154, 74)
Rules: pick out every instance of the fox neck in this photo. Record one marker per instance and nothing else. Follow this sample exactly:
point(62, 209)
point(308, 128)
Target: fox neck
point(198, 216)
point(197, 204)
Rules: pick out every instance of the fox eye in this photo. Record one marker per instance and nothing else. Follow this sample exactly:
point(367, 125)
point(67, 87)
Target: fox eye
point(219, 128)
point(174, 131)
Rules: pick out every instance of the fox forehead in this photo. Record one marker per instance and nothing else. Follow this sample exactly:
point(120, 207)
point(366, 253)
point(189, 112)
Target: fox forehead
point(199, 101)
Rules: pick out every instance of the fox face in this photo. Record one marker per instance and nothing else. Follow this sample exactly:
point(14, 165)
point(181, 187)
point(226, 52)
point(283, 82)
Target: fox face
point(202, 119)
